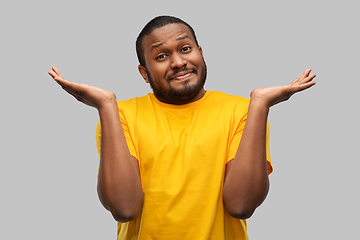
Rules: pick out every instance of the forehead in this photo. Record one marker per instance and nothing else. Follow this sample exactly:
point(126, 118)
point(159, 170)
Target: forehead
point(165, 34)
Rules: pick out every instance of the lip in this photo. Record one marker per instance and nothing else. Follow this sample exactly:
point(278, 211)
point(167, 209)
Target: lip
point(182, 75)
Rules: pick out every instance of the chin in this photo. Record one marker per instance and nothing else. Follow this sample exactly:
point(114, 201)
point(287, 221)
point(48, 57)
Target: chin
point(180, 92)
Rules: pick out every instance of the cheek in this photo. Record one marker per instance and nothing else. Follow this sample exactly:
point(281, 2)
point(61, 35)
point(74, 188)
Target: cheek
point(158, 70)
point(197, 60)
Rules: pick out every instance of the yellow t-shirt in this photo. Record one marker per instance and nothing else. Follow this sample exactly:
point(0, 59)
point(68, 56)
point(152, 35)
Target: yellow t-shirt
point(182, 152)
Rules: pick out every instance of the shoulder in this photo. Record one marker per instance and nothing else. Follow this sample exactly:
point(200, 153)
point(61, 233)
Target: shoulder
point(226, 105)
point(228, 99)
point(134, 103)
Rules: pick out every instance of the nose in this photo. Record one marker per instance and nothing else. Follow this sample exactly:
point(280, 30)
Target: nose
point(177, 61)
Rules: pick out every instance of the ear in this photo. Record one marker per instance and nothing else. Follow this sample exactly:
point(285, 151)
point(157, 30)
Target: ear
point(201, 52)
point(143, 72)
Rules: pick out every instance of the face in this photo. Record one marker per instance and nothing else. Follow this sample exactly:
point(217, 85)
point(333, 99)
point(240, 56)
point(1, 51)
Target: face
point(175, 67)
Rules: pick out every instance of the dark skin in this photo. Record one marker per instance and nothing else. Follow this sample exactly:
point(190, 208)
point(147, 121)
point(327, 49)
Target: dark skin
point(246, 181)
point(117, 165)
point(174, 63)
point(246, 178)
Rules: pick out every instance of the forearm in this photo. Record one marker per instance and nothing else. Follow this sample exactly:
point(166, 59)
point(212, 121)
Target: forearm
point(119, 184)
point(246, 182)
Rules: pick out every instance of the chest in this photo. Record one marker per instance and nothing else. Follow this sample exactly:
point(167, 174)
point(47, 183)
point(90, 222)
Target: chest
point(182, 132)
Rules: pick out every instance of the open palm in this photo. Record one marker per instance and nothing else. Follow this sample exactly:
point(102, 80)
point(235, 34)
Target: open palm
point(274, 95)
point(89, 95)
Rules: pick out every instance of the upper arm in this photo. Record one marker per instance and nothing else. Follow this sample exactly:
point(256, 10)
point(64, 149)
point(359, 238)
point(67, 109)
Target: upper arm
point(98, 145)
point(227, 167)
point(236, 142)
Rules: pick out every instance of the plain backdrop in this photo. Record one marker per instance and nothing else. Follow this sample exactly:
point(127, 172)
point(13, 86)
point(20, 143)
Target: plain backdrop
point(48, 156)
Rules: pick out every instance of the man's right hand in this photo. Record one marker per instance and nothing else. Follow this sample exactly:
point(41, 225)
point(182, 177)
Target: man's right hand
point(89, 95)
point(119, 183)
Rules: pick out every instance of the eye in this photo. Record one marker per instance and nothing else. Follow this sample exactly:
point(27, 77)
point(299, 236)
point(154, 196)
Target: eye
point(161, 56)
point(186, 49)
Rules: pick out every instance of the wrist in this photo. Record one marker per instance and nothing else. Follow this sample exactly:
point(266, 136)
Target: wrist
point(258, 98)
point(108, 106)
point(258, 108)
point(258, 102)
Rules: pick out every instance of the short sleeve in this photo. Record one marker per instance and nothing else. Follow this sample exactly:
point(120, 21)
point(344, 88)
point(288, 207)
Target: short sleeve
point(268, 157)
point(236, 135)
point(237, 138)
point(127, 134)
point(98, 138)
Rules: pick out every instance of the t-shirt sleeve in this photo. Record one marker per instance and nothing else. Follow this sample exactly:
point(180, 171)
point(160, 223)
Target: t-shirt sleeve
point(237, 138)
point(98, 137)
point(268, 157)
point(128, 137)
point(127, 132)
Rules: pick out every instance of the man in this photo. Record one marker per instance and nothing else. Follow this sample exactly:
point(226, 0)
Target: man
point(180, 163)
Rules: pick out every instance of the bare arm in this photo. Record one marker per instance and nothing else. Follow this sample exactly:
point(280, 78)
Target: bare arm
point(246, 178)
point(119, 183)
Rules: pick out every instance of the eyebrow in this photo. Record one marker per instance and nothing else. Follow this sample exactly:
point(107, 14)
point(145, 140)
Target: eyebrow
point(156, 46)
point(161, 43)
point(182, 38)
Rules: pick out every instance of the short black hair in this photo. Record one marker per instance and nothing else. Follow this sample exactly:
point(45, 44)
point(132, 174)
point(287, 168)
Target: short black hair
point(155, 23)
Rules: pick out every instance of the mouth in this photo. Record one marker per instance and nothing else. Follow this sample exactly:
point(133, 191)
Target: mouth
point(182, 75)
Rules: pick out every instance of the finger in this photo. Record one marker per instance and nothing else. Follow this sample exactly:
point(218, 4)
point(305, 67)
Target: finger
point(52, 73)
point(56, 70)
point(308, 78)
point(63, 85)
point(305, 86)
point(296, 80)
point(66, 83)
point(62, 82)
point(305, 74)
point(300, 78)
point(76, 88)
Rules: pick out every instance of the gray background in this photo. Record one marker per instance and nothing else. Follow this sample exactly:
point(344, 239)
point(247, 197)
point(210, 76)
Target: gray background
point(48, 155)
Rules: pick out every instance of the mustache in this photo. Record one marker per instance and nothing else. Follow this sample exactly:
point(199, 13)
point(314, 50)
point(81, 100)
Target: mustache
point(183, 69)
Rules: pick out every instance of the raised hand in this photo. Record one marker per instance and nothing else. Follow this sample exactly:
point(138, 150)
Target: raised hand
point(274, 95)
point(89, 95)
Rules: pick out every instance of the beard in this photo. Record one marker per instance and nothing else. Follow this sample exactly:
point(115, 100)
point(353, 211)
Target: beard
point(179, 96)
